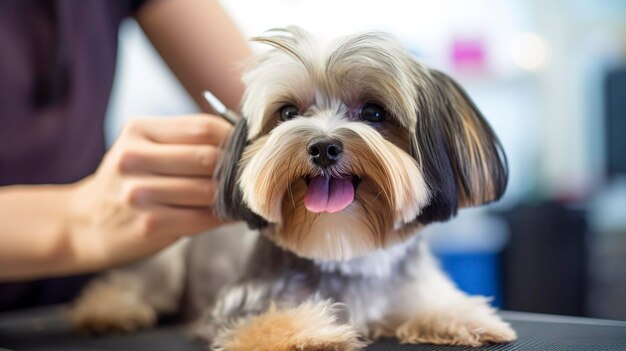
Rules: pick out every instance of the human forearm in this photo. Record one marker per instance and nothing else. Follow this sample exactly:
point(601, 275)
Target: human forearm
point(34, 238)
point(200, 44)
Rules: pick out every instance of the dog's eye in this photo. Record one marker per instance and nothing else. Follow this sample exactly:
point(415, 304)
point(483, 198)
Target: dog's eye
point(374, 113)
point(288, 112)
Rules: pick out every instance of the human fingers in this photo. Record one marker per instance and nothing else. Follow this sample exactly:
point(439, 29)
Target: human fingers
point(188, 129)
point(173, 191)
point(172, 160)
point(173, 221)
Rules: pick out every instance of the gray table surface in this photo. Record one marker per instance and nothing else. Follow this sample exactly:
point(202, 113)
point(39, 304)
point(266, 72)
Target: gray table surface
point(46, 329)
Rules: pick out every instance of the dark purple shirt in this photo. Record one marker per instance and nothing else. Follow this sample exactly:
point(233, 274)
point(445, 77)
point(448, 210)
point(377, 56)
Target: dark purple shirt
point(57, 61)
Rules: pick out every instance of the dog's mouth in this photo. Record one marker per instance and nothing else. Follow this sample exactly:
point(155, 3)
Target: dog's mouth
point(325, 193)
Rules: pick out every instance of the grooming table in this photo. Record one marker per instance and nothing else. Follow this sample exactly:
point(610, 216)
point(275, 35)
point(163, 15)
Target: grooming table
point(45, 329)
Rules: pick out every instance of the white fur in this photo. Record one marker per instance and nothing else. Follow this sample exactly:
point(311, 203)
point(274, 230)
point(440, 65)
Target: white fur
point(378, 263)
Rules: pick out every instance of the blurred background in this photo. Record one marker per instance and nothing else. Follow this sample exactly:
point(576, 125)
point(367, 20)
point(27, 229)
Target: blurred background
point(551, 78)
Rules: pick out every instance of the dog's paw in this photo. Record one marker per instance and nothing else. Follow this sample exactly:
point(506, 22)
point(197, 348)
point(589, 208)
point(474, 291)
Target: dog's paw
point(472, 325)
point(308, 327)
point(104, 308)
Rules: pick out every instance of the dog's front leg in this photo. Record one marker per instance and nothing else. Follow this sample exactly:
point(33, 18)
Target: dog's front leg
point(442, 314)
point(245, 318)
point(130, 298)
point(311, 326)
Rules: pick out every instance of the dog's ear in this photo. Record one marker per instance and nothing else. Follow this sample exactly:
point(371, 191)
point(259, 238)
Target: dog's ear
point(462, 159)
point(229, 203)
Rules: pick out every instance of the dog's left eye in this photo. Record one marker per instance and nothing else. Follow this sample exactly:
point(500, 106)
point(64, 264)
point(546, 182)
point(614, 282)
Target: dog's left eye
point(288, 112)
point(374, 113)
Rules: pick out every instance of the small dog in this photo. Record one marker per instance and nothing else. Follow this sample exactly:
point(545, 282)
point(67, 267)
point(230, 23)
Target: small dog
point(346, 151)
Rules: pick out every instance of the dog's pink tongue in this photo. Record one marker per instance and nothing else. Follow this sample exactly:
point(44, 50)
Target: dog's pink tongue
point(328, 194)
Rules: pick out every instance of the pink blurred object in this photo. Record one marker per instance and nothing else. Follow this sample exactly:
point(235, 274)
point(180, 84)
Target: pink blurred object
point(469, 55)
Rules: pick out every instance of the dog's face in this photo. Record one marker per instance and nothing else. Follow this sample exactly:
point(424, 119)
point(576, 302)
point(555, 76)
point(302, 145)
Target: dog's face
point(346, 148)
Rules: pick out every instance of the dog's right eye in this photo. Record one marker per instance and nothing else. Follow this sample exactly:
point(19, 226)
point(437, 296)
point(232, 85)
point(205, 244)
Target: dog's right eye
point(288, 112)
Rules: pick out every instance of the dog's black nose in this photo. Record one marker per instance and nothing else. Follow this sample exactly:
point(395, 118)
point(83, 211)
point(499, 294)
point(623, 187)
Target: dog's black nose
point(324, 152)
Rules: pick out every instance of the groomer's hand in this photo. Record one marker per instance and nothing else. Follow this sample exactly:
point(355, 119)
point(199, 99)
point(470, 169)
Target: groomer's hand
point(153, 186)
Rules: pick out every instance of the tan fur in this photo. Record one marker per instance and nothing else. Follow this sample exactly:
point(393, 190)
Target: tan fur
point(392, 190)
point(308, 327)
point(434, 311)
point(333, 236)
point(109, 305)
point(443, 327)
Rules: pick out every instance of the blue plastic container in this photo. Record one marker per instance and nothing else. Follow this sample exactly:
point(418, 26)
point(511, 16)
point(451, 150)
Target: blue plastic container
point(477, 273)
point(468, 249)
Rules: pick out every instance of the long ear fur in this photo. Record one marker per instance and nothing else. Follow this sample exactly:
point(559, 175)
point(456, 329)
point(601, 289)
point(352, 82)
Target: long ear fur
point(463, 160)
point(228, 202)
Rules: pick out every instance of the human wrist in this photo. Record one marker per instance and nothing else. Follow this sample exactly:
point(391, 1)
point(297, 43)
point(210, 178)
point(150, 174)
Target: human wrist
point(40, 246)
point(76, 228)
point(62, 251)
